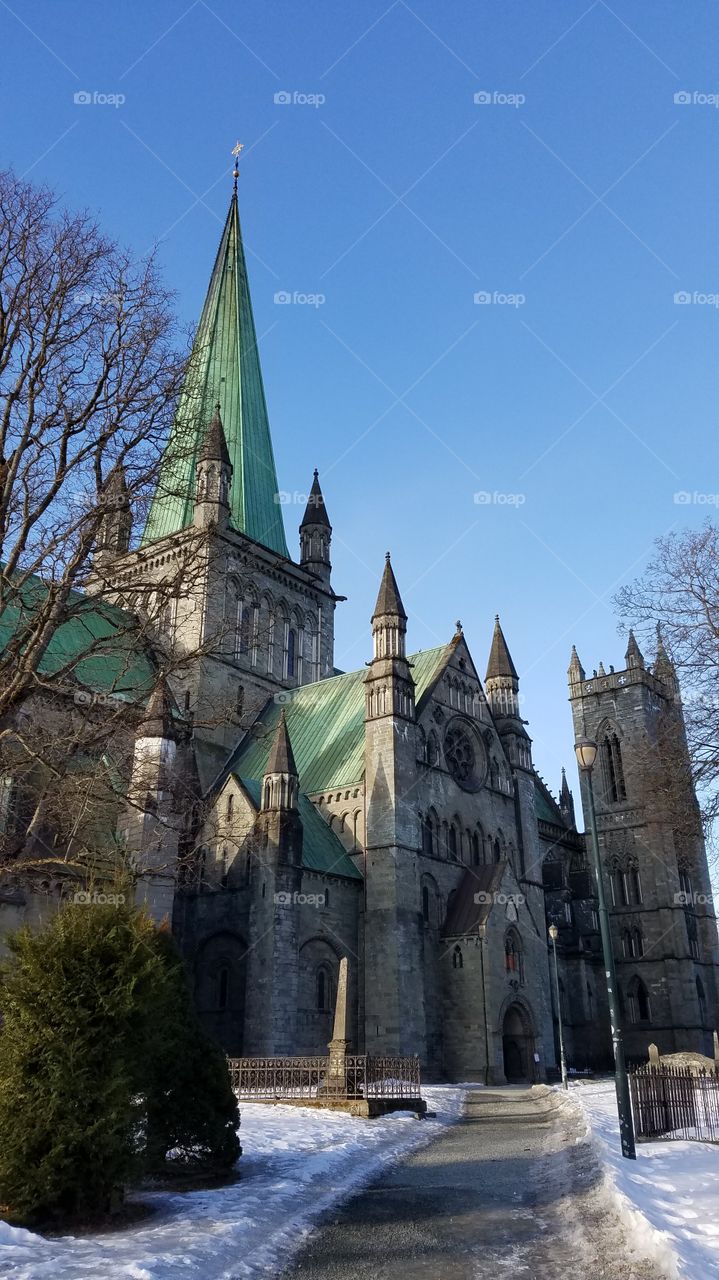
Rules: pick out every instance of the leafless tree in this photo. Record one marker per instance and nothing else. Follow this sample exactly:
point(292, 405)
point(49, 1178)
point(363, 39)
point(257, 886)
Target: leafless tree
point(679, 594)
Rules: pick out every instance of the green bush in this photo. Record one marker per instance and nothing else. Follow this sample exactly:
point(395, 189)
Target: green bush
point(103, 1066)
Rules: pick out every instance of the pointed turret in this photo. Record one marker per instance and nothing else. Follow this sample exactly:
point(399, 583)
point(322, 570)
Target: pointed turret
point(157, 722)
point(389, 620)
point(633, 657)
point(224, 366)
point(280, 783)
point(214, 477)
point(566, 802)
point(575, 671)
point(500, 660)
point(664, 668)
point(316, 535)
point(116, 525)
point(502, 688)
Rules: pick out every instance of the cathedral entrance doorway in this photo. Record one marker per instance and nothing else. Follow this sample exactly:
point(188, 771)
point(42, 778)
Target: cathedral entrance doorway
point(517, 1045)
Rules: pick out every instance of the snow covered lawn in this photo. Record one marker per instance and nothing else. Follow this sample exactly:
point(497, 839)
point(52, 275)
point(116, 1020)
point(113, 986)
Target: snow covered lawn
point(672, 1186)
point(296, 1164)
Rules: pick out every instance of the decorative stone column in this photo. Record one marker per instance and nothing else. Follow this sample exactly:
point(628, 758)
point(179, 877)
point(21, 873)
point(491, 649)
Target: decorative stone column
point(337, 1073)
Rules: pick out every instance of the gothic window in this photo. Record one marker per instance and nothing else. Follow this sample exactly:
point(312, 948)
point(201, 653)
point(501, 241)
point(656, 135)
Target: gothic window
point(230, 806)
point(497, 851)
point(223, 983)
point(271, 643)
point(268, 796)
point(476, 847)
point(244, 628)
point(635, 885)
point(300, 654)
point(324, 990)
point(613, 769)
point(453, 842)
point(702, 1000)
point(240, 700)
point(427, 835)
point(425, 904)
point(639, 1010)
point(618, 885)
point(457, 958)
point(638, 943)
point(627, 945)
point(290, 652)
point(513, 956)
point(460, 754)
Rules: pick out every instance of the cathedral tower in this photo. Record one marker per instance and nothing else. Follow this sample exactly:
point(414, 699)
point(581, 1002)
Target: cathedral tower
point(652, 852)
point(394, 1007)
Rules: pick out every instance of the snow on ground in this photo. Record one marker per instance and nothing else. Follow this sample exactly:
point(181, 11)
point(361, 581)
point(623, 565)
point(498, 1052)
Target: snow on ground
point(296, 1164)
point(669, 1194)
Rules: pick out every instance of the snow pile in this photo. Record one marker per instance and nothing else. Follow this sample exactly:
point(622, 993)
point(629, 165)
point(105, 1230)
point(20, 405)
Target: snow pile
point(670, 1193)
point(296, 1165)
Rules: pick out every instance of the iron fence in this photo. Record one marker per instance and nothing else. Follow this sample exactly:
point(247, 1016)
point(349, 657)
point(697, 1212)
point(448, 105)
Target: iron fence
point(675, 1102)
point(363, 1076)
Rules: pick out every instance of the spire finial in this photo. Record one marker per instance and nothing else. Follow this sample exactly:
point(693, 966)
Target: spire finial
point(238, 147)
point(387, 556)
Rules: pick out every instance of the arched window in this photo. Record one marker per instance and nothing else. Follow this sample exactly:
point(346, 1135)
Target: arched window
point(638, 943)
point(290, 658)
point(627, 945)
point(513, 955)
point(453, 842)
point(425, 904)
point(223, 984)
point(324, 989)
point(457, 958)
point(613, 768)
point(432, 748)
point(639, 1010)
point(230, 806)
point(618, 884)
point(476, 849)
point(635, 885)
point(240, 700)
point(497, 849)
point(702, 1000)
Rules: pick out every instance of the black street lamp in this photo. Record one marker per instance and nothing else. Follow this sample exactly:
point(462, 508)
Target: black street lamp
point(586, 752)
point(553, 931)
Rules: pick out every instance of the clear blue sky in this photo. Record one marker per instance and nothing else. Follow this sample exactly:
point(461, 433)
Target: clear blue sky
point(398, 198)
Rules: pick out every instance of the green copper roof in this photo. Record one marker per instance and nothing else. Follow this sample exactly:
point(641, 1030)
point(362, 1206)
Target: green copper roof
point(99, 646)
point(225, 367)
point(322, 850)
point(326, 726)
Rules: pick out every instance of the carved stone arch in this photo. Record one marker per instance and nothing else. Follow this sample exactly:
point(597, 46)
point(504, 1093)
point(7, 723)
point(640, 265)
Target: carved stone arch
point(220, 971)
point(318, 961)
point(524, 1009)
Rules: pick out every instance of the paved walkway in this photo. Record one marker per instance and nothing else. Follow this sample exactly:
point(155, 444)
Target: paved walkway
point(508, 1191)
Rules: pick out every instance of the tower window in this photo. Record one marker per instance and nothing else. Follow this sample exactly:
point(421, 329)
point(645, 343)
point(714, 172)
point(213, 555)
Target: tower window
point(615, 788)
point(223, 983)
point(453, 842)
point(290, 656)
point(513, 956)
point(425, 904)
point(457, 958)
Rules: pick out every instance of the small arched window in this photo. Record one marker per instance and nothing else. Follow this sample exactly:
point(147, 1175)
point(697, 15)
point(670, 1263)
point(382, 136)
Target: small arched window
point(425, 904)
point(324, 990)
point(476, 849)
point(291, 648)
point(639, 1008)
point(230, 806)
point(638, 943)
point(513, 956)
point(223, 985)
point(457, 958)
point(497, 851)
point(453, 842)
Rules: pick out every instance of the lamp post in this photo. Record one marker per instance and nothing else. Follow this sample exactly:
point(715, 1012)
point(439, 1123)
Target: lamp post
point(586, 753)
point(553, 931)
point(482, 936)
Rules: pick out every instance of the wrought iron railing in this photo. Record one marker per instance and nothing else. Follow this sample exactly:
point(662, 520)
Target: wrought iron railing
point(675, 1102)
point(364, 1076)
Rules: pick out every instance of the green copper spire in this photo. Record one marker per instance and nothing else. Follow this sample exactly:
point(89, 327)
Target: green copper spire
point(224, 367)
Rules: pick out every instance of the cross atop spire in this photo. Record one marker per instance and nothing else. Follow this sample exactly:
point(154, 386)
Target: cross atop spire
point(238, 147)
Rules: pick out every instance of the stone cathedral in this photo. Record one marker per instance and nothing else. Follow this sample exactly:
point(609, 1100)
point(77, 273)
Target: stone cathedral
point(391, 814)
